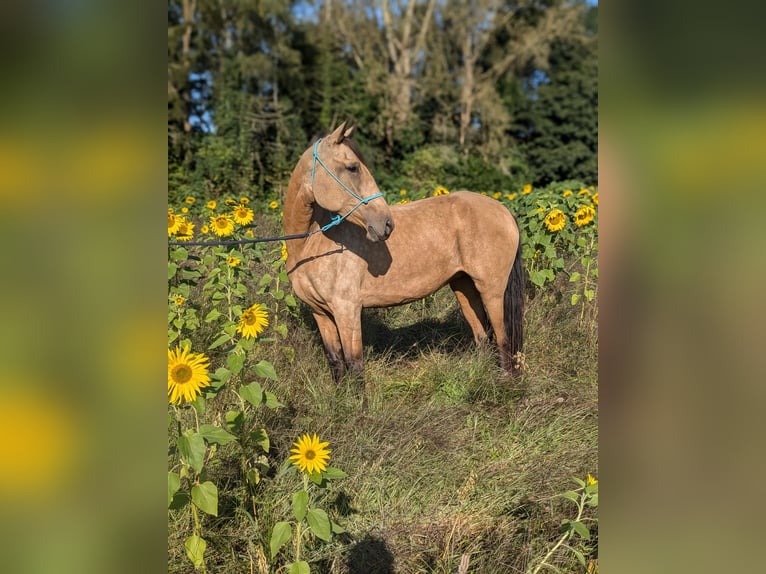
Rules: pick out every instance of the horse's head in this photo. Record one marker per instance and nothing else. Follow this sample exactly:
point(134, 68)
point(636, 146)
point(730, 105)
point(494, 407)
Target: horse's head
point(342, 184)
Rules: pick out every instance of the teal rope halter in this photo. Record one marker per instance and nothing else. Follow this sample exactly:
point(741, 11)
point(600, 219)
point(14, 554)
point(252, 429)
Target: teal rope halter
point(336, 219)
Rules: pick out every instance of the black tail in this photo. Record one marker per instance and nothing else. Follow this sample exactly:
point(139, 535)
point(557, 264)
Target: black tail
point(513, 303)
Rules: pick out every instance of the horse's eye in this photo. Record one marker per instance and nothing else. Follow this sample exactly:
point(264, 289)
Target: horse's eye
point(353, 168)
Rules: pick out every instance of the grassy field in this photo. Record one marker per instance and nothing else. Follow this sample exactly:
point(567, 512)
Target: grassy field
point(447, 457)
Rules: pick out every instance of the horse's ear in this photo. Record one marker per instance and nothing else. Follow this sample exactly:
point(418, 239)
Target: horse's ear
point(338, 135)
point(349, 131)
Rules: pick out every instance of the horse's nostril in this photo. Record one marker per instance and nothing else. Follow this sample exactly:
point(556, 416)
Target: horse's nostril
point(389, 226)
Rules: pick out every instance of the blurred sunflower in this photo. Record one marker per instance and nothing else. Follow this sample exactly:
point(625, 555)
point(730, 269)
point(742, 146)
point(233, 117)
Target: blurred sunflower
point(232, 261)
point(230, 202)
point(555, 220)
point(204, 230)
point(595, 198)
point(584, 215)
point(440, 191)
point(510, 196)
point(527, 189)
point(211, 204)
point(190, 200)
point(185, 231)
point(402, 192)
point(497, 195)
point(174, 222)
point(222, 225)
point(244, 200)
point(273, 205)
point(310, 455)
point(284, 251)
point(253, 321)
point(567, 192)
point(584, 192)
point(187, 375)
point(243, 215)
point(179, 300)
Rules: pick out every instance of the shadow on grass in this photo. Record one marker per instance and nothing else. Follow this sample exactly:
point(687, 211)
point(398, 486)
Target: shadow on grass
point(370, 556)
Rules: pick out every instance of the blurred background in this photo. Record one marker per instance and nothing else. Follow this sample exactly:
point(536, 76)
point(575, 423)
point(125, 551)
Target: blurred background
point(84, 150)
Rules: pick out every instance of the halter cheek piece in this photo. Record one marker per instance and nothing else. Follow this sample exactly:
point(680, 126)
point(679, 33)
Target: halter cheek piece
point(336, 219)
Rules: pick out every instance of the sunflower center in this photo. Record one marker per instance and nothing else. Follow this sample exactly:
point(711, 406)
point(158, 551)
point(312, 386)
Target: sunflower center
point(182, 374)
point(249, 318)
point(310, 455)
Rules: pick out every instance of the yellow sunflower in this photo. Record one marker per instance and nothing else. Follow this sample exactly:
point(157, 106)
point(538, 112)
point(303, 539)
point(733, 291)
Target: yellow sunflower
point(253, 321)
point(179, 300)
point(497, 195)
point(567, 192)
point(441, 190)
point(595, 198)
point(185, 231)
point(527, 189)
point(204, 230)
point(284, 251)
point(590, 480)
point(232, 261)
point(244, 200)
point(402, 192)
point(230, 202)
point(584, 215)
point(190, 200)
point(242, 215)
point(187, 375)
point(250, 233)
point(405, 200)
point(555, 220)
point(510, 196)
point(174, 222)
point(584, 192)
point(310, 455)
point(184, 210)
point(273, 205)
point(222, 225)
point(211, 204)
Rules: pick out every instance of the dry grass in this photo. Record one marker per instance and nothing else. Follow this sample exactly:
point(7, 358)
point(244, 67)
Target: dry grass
point(448, 458)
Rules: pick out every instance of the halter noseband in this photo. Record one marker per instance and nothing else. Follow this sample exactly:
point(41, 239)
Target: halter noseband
point(336, 219)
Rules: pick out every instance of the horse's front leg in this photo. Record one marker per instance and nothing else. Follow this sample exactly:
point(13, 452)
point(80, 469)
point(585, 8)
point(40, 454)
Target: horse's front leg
point(348, 319)
point(332, 345)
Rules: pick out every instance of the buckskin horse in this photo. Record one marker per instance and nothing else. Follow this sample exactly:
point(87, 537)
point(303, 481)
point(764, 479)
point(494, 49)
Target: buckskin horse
point(352, 251)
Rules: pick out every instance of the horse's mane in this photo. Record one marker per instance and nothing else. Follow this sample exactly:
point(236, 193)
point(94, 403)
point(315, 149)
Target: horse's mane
point(348, 141)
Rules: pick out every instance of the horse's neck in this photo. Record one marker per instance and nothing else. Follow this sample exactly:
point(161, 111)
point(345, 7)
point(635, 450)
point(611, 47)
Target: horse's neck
point(299, 208)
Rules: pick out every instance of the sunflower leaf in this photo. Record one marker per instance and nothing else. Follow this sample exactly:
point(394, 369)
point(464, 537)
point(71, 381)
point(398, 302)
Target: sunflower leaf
point(300, 503)
point(192, 448)
point(235, 362)
point(266, 370)
point(319, 523)
point(260, 438)
point(234, 420)
point(300, 567)
point(220, 341)
point(332, 473)
point(205, 497)
point(271, 401)
point(212, 433)
point(281, 534)
point(172, 268)
point(337, 528)
point(195, 550)
point(252, 393)
point(174, 483)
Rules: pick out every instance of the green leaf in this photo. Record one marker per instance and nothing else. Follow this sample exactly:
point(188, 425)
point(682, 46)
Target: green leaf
point(266, 370)
point(574, 277)
point(337, 528)
point(300, 567)
point(222, 374)
point(260, 438)
point(281, 329)
point(234, 420)
point(192, 449)
point(212, 433)
point(290, 301)
point(212, 316)
point(253, 476)
point(580, 529)
point(172, 268)
point(279, 295)
point(271, 401)
point(205, 497)
point(575, 298)
point(316, 478)
point(180, 254)
point(235, 362)
point(198, 404)
point(319, 523)
point(174, 483)
point(589, 294)
point(571, 495)
point(195, 550)
point(265, 280)
point(281, 534)
point(579, 556)
point(220, 341)
point(300, 503)
point(252, 393)
point(332, 473)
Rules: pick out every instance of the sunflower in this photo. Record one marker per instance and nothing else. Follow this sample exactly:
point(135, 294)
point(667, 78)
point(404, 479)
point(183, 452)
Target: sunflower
point(174, 222)
point(510, 196)
point(273, 205)
point(584, 215)
point(527, 189)
point(497, 195)
point(310, 455)
point(179, 300)
point(204, 230)
point(187, 375)
point(211, 204)
point(222, 225)
point(230, 202)
point(232, 261)
point(190, 200)
point(595, 198)
point(284, 251)
point(185, 231)
point(440, 191)
point(184, 210)
point(402, 192)
point(555, 220)
point(590, 480)
point(405, 200)
point(584, 192)
point(253, 321)
point(244, 200)
point(567, 193)
point(242, 215)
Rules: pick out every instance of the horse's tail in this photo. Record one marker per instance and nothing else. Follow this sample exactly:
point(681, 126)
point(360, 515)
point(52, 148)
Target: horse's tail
point(513, 303)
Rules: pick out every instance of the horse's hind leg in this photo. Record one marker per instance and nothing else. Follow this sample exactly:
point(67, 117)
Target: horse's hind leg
point(471, 305)
point(332, 346)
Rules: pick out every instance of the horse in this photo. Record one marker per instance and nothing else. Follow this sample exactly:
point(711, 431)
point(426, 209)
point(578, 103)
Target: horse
point(351, 250)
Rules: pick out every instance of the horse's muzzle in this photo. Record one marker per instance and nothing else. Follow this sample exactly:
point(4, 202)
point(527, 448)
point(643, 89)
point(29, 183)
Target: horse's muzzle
point(382, 235)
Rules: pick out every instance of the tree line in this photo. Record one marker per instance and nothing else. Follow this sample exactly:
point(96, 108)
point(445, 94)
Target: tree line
point(481, 94)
